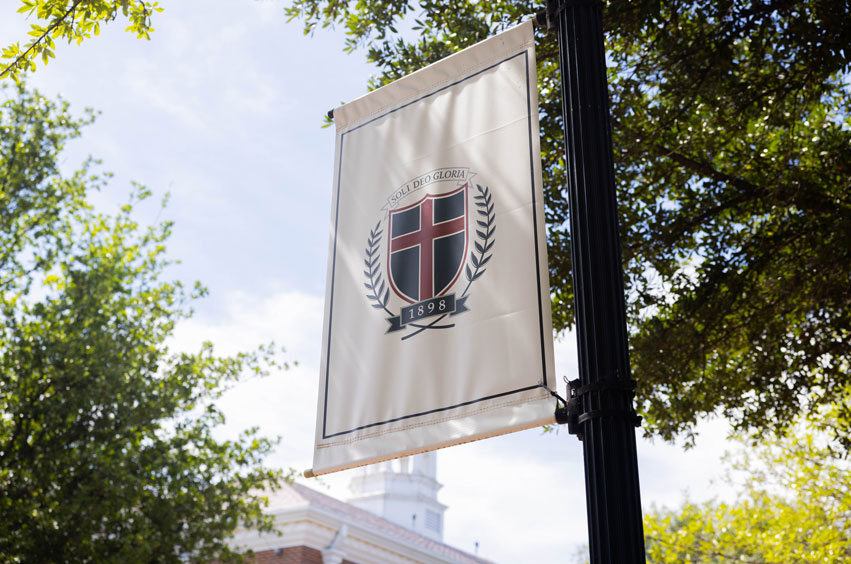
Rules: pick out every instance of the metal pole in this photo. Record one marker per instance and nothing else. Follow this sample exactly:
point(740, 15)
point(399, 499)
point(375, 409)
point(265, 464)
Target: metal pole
point(605, 417)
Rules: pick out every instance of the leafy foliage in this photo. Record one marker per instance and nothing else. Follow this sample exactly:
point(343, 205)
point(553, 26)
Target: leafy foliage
point(794, 507)
point(732, 145)
point(107, 452)
point(70, 20)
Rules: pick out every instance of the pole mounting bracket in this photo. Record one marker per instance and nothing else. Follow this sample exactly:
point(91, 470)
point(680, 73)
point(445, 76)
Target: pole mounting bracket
point(574, 415)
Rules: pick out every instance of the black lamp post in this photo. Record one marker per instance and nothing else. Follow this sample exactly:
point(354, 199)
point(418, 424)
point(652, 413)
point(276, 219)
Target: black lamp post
point(603, 410)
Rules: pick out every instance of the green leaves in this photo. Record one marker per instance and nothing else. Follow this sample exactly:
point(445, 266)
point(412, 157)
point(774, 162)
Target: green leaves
point(107, 451)
point(740, 291)
point(71, 20)
point(793, 505)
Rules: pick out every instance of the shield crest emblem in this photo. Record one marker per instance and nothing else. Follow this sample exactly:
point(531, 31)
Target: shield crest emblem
point(427, 245)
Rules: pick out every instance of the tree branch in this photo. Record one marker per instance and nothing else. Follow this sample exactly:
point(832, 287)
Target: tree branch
point(47, 31)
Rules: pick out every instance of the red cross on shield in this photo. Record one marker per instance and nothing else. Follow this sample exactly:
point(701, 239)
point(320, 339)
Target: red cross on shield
point(427, 245)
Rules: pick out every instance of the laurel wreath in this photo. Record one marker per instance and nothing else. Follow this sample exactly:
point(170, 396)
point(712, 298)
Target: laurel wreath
point(379, 294)
point(480, 257)
point(375, 283)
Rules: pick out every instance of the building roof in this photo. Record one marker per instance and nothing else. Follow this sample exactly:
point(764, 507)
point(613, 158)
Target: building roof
point(311, 518)
point(377, 523)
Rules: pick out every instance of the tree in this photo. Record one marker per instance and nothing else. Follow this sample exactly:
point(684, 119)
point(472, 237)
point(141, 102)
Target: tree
point(733, 161)
point(107, 451)
point(794, 507)
point(71, 20)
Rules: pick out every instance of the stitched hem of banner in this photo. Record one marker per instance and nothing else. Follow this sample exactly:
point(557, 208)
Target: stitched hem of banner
point(374, 434)
point(435, 87)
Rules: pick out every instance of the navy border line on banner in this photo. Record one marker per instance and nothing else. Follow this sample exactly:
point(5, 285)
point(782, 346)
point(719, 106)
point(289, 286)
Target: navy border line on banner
point(525, 53)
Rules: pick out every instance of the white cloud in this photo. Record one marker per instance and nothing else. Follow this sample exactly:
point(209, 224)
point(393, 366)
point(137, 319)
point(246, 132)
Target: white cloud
point(521, 497)
point(284, 403)
point(160, 97)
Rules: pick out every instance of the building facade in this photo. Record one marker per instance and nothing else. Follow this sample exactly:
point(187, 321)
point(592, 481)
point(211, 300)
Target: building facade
point(393, 518)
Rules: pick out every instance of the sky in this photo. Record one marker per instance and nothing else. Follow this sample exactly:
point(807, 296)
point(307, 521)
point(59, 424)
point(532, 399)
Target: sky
point(222, 109)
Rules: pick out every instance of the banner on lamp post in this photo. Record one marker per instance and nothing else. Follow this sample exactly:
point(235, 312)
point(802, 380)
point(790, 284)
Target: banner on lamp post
point(437, 323)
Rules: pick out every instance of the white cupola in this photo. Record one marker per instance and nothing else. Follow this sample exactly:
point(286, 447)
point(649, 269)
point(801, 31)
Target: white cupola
point(403, 491)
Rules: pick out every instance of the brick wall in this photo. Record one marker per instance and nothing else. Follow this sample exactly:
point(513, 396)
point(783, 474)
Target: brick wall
point(291, 555)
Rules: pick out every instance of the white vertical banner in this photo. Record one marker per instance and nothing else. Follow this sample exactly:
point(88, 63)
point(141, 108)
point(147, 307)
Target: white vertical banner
point(438, 328)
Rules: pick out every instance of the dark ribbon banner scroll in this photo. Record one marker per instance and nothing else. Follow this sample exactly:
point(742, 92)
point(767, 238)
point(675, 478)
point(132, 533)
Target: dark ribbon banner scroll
point(441, 305)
